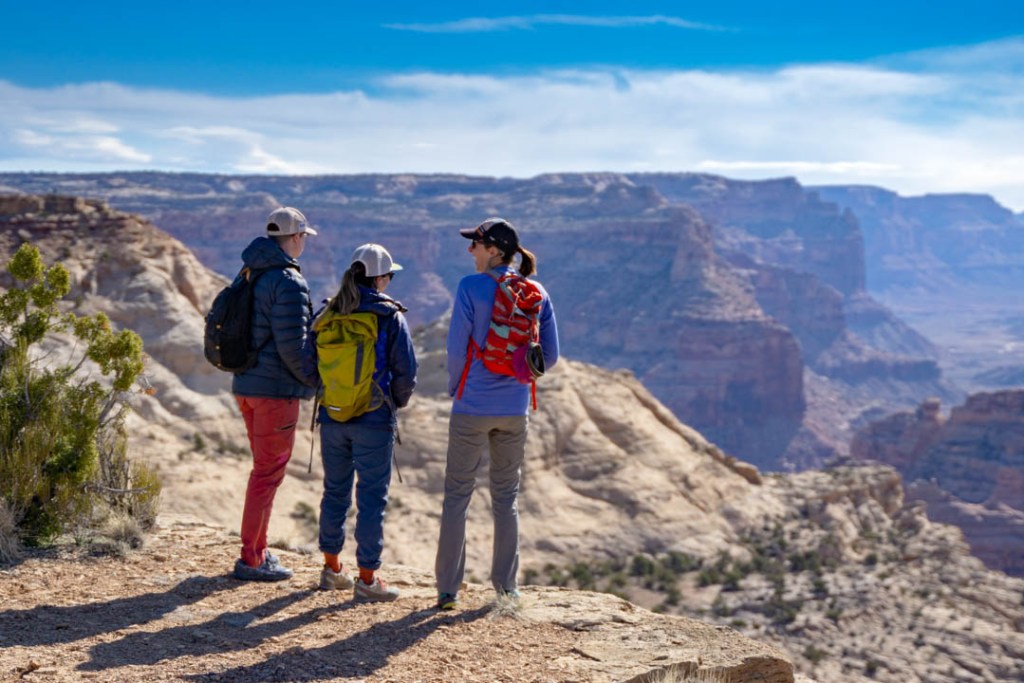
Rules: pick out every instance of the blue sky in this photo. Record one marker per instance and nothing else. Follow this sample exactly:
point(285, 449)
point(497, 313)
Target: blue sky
point(915, 96)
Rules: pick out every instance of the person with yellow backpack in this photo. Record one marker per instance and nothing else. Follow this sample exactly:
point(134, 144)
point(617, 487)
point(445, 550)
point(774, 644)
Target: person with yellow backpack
point(367, 369)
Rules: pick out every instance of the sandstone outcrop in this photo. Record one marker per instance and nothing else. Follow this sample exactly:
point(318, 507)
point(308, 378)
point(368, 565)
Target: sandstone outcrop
point(147, 618)
point(969, 468)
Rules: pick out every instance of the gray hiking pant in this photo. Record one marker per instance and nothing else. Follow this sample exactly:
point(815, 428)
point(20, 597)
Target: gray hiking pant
point(468, 439)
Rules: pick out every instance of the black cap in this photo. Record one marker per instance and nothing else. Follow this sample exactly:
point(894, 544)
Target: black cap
point(497, 232)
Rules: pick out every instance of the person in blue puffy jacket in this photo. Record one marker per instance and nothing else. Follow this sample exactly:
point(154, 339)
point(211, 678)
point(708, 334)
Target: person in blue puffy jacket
point(268, 393)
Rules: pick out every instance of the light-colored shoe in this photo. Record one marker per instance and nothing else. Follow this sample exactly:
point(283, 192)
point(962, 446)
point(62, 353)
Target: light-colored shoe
point(378, 591)
point(331, 580)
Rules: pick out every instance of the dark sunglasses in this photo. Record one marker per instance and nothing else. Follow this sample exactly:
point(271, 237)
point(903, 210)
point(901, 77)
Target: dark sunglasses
point(389, 276)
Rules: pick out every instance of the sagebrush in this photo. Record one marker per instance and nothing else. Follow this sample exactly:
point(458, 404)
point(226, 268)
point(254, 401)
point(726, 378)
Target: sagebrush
point(63, 459)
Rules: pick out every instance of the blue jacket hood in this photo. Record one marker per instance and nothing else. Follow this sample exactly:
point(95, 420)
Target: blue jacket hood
point(264, 252)
point(372, 301)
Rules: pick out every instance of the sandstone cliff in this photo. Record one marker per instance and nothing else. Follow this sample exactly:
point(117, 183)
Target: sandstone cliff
point(951, 266)
point(969, 468)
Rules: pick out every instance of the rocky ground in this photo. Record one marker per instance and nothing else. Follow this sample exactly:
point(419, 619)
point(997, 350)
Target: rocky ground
point(171, 612)
point(854, 583)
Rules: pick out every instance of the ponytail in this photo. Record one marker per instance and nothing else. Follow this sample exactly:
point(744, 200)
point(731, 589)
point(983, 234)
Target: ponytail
point(528, 263)
point(347, 299)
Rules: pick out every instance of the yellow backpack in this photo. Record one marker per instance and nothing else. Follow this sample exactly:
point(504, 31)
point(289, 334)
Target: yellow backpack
point(346, 361)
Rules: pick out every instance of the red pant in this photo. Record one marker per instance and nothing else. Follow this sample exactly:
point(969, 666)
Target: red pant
point(270, 423)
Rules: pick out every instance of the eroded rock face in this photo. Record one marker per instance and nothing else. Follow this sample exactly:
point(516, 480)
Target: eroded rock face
point(950, 265)
point(716, 293)
point(969, 468)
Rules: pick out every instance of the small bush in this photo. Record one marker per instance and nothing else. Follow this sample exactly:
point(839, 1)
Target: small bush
point(10, 545)
point(62, 435)
point(814, 654)
point(642, 566)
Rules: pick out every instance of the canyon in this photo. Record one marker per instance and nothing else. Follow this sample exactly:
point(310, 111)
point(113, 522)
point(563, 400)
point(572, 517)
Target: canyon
point(740, 305)
point(872, 588)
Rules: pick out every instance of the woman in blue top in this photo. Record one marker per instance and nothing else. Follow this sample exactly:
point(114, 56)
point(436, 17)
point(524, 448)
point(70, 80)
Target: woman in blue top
point(363, 446)
point(490, 411)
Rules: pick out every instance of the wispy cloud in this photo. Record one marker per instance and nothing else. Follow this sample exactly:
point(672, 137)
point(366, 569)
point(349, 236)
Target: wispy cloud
point(935, 126)
point(489, 24)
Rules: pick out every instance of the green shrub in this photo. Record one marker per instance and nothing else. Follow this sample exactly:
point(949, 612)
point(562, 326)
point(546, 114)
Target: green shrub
point(642, 566)
point(10, 549)
point(814, 654)
point(681, 563)
point(62, 437)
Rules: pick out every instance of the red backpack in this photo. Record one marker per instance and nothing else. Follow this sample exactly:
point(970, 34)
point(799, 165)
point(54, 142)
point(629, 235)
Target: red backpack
point(512, 347)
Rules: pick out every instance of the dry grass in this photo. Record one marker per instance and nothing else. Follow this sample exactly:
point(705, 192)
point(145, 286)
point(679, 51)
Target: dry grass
point(690, 674)
point(10, 544)
point(507, 607)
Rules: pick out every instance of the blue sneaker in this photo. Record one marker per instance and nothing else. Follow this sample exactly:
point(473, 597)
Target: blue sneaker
point(267, 571)
point(447, 601)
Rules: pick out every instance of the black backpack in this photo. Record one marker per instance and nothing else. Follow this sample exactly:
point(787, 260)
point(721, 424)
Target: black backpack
point(228, 336)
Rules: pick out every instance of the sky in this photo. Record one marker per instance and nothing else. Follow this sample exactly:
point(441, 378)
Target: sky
point(918, 97)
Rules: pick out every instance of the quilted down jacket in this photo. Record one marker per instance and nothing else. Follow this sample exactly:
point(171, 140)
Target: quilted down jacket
point(281, 315)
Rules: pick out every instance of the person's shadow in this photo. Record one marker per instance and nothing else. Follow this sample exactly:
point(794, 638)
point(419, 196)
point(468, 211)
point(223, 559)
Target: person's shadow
point(226, 632)
point(52, 625)
point(357, 656)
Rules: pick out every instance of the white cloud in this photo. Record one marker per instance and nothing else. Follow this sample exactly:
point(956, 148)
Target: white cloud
point(489, 24)
point(929, 127)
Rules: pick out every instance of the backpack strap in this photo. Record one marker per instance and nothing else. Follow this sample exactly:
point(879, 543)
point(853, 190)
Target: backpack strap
point(474, 349)
point(471, 351)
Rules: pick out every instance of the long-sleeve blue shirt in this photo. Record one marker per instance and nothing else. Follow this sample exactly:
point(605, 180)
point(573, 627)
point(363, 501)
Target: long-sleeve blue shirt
point(487, 393)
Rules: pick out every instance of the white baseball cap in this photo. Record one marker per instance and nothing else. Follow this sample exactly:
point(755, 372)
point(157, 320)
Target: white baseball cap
point(288, 221)
point(376, 259)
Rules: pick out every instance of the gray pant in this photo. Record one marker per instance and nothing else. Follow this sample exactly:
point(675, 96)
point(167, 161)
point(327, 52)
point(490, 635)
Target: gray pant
point(468, 438)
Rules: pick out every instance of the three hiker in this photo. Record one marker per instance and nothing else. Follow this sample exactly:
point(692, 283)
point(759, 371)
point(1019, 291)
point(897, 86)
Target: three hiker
point(489, 411)
point(269, 392)
point(367, 368)
point(359, 354)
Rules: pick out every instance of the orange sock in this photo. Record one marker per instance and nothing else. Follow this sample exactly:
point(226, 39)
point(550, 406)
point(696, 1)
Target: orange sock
point(331, 560)
point(366, 576)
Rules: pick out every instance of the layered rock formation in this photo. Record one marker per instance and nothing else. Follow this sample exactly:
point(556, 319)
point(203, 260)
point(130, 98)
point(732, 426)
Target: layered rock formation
point(804, 259)
point(969, 468)
point(630, 268)
point(951, 266)
point(626, 270)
